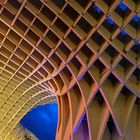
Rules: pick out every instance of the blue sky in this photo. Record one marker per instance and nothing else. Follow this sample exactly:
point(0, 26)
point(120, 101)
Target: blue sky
point(42, 121)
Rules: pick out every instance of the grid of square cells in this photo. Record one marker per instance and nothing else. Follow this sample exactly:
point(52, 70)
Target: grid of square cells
point(87, 52)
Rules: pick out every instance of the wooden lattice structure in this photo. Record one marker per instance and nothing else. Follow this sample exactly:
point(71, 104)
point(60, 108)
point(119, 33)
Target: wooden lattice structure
point(84, 54)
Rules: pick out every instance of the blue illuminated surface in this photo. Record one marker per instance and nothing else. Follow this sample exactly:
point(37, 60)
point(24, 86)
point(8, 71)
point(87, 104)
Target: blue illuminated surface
point(123, 32)
point(122, 6)
point(97, 9)
point(42, 121)
point(110, 20)
point(137, 43)
point(136, 18)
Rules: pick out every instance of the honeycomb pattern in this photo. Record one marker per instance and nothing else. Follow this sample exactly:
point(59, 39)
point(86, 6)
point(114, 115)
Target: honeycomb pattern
point(84, 54)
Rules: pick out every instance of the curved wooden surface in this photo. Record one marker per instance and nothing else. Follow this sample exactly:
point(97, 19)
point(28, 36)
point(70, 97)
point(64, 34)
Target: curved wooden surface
point(83, 54)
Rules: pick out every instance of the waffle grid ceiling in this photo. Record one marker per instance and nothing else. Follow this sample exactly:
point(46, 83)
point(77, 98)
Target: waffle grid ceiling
point(85, 54)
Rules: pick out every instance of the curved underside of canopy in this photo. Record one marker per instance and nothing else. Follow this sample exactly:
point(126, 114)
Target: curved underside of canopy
point(84, 54)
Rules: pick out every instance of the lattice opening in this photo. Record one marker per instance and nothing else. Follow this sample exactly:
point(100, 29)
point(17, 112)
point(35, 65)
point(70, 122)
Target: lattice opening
point(71, 13)
point(59, 3)
point(7, 16)
point(63, 52)
point(97, 38)
point(100, 68)
point(86, 53)
point(32, 62)
point(37, 56)
point(124, 37)
point(60, 26)
point(135, 51)
point(83, 3)
point(38, 27)
point(51, 39)
point(85, 132)
point(1, 38)
point(67, 76)
point(27, 67)
point(125, 65)
point(56, 60)
point(46, 14)
point(87, 85)
point(3, 28)
point(48, 67)
point(137, 102)
point(109, 2)
point(135, 77)
point(26, 16)
point(99, 99)
point(44, 48)
point(37, 4)
point(15, 38)
point(26, 47)
point(135, 22)
point(110, 25)
point(84, 25)
point(113, 81)
point(20, 27)
point(5, 52)
point(16, 5)
point(112, 53)
point(72, 40)
point(122, 10)
point(75, 66)
point(32, 37)
point(111, 126)
point(95, 12)
point(16, 59)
